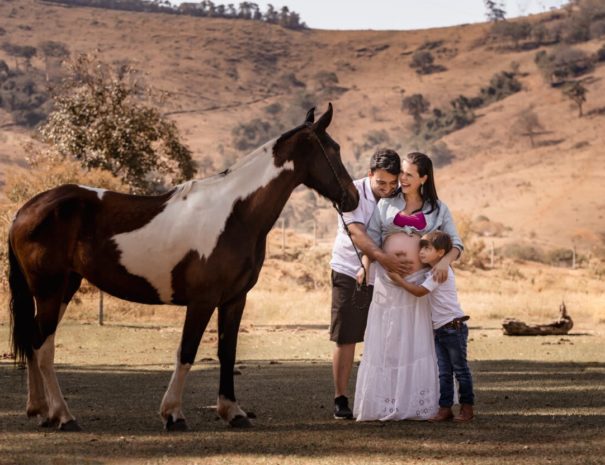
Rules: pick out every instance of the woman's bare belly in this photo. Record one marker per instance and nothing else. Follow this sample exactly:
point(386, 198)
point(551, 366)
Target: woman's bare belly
point(410, 245)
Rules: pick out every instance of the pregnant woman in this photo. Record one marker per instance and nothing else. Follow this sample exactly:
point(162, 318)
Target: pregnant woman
point(398, 376)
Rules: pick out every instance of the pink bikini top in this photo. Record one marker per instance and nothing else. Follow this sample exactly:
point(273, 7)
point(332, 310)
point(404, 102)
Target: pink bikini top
point(415, 220)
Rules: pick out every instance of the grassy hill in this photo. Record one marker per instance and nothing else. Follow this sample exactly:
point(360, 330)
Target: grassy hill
point(221, 74)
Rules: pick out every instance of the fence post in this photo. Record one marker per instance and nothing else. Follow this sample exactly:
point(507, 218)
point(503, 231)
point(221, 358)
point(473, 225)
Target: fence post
point(491, 255)
point(283, 238)
point(100, 307)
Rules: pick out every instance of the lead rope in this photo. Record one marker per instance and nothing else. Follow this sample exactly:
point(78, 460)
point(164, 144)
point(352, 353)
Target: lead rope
point(339, 210)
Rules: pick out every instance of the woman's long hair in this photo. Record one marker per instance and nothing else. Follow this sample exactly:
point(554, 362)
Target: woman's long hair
point(425, 168)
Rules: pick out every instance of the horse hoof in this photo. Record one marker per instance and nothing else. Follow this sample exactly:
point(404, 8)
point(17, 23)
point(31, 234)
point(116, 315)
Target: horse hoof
point(179, 425)
point(240, 422)
point(46, 423)
point(71, 425)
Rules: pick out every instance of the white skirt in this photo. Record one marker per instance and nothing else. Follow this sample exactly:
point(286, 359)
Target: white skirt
point(398, 375)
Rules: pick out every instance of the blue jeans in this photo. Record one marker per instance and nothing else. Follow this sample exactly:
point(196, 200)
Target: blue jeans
point(450, 345)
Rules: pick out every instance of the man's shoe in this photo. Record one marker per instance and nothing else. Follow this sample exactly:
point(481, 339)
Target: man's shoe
point(466, 413)
point(341, 408)
point(444, 414)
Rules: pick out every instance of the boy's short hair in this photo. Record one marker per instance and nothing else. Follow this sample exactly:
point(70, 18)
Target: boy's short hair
point(438, 239)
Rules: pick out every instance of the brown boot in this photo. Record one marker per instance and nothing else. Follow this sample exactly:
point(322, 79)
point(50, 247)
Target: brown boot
point(444, 414)
point(466, 413)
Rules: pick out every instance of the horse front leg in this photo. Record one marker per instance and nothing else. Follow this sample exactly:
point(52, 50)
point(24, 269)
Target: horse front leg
point(196, 320)
point(229, 317)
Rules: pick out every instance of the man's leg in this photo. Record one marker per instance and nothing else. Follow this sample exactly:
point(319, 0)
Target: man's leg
point(342, 364)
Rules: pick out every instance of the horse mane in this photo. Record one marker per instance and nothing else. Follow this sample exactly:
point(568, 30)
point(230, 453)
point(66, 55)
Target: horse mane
point(286, 135)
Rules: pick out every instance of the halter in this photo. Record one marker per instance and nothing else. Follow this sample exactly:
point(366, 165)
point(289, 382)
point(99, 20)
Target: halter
point(338, 209)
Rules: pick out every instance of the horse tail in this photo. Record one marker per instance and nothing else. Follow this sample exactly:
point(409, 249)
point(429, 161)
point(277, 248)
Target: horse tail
point(22, 310)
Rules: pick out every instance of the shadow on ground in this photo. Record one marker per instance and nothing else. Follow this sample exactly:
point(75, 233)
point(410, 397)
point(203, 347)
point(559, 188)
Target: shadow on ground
point(538, 412)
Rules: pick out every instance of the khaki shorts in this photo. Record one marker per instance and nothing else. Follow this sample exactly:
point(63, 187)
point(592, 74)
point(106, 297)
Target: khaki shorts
point(349, 310)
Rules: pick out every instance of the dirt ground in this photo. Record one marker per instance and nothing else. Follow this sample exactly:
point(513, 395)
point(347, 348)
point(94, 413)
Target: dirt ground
point(539, 401)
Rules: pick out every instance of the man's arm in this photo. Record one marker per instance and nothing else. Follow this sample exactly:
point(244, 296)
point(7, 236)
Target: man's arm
point(389, 262)
point(413, 289)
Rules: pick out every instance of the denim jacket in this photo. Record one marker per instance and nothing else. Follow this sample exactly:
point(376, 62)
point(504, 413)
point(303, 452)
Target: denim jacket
point(381, 225)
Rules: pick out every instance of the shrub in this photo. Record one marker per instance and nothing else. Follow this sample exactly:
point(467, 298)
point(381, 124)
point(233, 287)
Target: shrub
point(515, 31)
point(98, 118)
point(520, 251)
point(600, 56)
point(423, 63)
point(563, 63)
point(441, 154)
point(252, 134)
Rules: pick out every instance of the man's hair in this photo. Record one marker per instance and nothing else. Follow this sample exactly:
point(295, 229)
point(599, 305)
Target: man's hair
point(438, 239)
point(386, 159)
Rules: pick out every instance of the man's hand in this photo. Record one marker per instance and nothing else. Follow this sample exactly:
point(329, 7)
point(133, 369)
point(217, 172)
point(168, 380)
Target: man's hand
point(395, 263)
point(361, 274)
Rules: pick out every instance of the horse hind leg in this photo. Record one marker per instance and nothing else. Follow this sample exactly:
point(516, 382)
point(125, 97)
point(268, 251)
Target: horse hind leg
point(196, 320)
point(229, 318)
point(41, 372)
point(37, 404)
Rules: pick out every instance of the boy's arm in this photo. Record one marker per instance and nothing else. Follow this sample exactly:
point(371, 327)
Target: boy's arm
point(413, 289)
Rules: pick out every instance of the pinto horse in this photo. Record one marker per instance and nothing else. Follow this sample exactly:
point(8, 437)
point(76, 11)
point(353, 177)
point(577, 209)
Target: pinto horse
point(200, 245)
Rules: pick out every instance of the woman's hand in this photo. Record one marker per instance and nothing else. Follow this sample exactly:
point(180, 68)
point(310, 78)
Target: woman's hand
point(440, 271)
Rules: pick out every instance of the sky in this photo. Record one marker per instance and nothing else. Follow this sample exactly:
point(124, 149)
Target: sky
point(398, 14)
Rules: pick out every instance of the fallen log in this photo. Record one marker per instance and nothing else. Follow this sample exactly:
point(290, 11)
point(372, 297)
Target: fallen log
point(514, 327)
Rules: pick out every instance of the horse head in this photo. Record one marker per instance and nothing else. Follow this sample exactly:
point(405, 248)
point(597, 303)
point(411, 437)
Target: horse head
point(317, 157)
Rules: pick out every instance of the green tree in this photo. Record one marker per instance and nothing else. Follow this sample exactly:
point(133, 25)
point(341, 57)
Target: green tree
point(100, 119)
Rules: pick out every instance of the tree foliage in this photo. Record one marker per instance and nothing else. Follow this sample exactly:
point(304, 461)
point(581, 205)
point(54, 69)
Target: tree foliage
point(100, 119)
point(495, 10)
point(415, 105)
point(528, 124)
point(576, 92)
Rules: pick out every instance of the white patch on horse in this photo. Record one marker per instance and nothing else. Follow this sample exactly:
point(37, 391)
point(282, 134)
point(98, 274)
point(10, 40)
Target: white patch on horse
point(100, 192)
point(228, 410)
point(193, 219)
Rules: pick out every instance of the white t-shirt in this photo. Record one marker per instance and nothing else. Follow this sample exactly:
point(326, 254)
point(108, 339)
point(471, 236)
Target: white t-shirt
point(443, 299)
point(344, 259)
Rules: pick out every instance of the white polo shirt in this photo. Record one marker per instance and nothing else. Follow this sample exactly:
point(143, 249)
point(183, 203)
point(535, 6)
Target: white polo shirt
point(344, 259)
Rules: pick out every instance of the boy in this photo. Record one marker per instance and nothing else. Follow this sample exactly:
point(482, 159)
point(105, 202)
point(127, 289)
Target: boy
point(449, 327)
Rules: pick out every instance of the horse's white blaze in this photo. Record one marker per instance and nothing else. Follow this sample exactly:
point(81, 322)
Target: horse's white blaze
point(193, 220)
point(173, 398)
point(100, 192)
point(56, 403)
point(228, 410)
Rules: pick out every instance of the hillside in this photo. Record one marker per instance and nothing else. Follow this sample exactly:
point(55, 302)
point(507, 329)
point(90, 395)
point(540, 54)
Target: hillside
point(219, 74)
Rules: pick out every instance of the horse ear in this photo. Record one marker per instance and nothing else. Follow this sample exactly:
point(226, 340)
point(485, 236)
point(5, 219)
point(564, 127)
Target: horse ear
point(310, 116)
point(324, 121)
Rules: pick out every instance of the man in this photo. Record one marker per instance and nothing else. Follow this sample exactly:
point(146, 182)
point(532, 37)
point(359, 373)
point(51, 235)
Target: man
point(348, 319)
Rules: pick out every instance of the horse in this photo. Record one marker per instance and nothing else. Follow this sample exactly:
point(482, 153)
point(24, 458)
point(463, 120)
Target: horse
point(200, 245)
